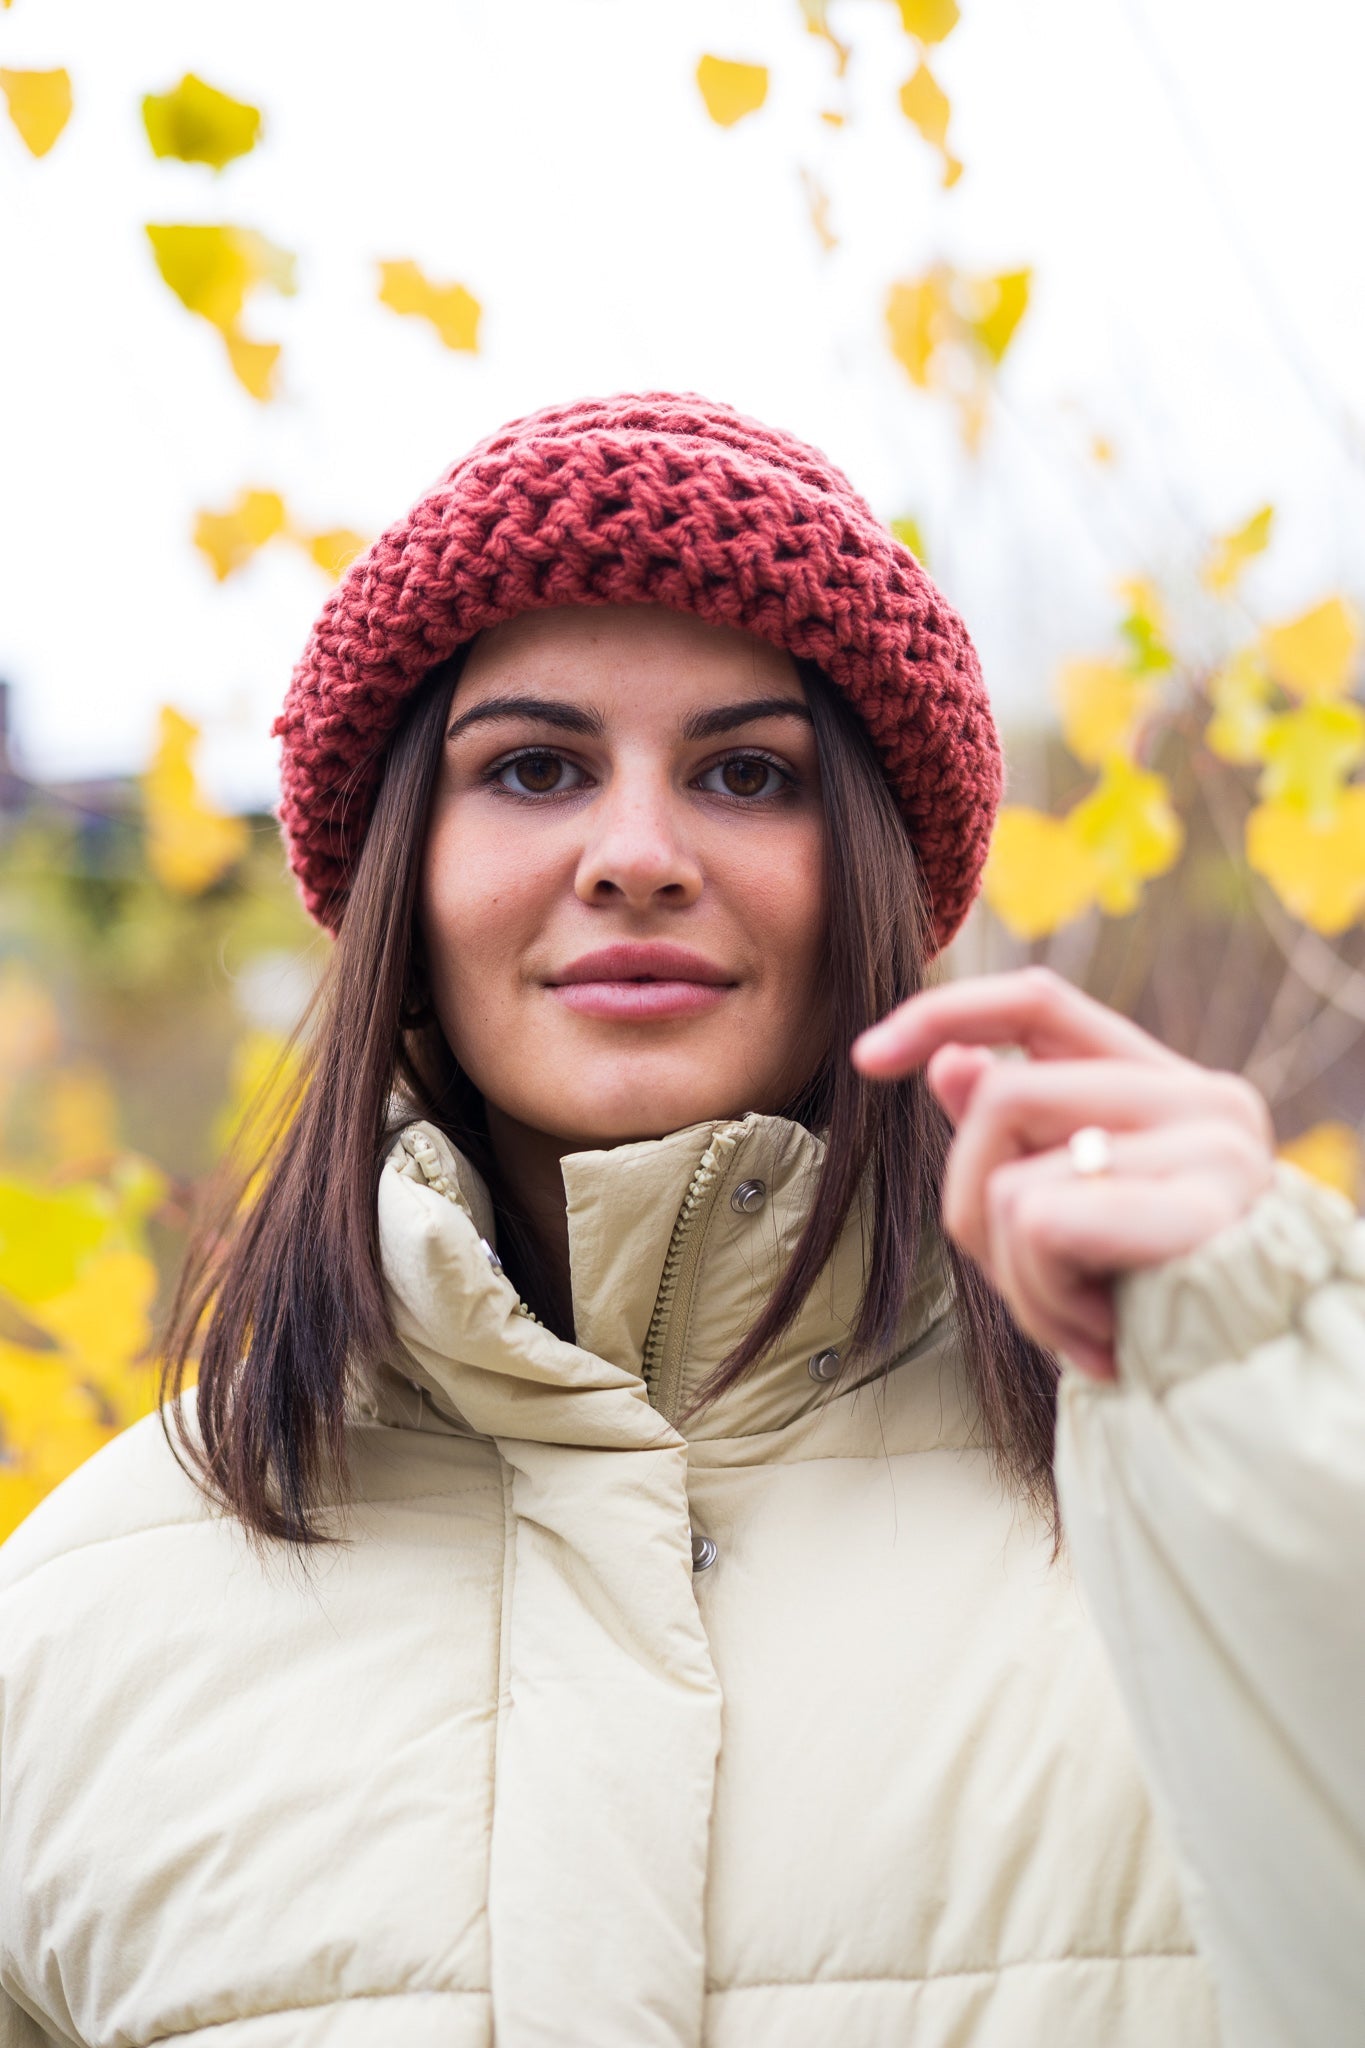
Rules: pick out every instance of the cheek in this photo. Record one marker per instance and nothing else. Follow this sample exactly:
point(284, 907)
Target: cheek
point(480, 899)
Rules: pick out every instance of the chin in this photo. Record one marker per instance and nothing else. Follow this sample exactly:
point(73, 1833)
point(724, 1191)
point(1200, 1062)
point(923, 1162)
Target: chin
point(616, 1115)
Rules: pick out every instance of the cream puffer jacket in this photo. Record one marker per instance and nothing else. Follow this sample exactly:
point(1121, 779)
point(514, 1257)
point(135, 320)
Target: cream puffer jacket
point(787, 1734)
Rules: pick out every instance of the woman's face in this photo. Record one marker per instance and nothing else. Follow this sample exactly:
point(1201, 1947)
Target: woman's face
point(622, 890)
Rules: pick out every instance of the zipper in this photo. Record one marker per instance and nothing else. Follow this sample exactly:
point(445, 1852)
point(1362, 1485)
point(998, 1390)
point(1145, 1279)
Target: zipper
point(427, 1160)
point(662, 1360)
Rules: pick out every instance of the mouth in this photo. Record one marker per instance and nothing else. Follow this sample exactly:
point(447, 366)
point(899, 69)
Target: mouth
point(641, 982)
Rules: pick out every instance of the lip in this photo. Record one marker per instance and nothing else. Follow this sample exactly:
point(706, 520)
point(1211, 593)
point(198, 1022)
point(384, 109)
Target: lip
point(637, 982)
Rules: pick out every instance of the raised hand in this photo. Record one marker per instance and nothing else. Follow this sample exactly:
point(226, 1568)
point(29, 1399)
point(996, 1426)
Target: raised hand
point(1099, 1152)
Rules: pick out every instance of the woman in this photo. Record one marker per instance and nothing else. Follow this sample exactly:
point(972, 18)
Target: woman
point(609, 1592)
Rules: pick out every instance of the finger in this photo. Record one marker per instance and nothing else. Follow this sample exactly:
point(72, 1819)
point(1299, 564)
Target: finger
point(953, 1074)
point(1107, 1226)
point(1018, 1109)
point(1032, 1008)
point(1062, 1307)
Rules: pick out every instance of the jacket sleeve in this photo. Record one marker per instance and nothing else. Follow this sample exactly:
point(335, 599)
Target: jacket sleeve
point(1214, 1506)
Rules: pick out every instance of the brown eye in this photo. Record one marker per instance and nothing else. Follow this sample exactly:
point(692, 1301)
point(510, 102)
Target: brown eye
point(748, 775)
point(536, 774)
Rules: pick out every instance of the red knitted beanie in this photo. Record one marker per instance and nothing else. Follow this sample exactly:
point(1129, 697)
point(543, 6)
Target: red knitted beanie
point(660, 499)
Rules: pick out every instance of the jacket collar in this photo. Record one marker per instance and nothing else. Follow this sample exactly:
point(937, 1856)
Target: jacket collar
point(674, 1245)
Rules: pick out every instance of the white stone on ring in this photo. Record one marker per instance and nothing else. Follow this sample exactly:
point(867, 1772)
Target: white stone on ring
point(1091, 1151)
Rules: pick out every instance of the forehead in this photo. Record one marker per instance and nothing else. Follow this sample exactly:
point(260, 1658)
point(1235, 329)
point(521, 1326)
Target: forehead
point(616, 652)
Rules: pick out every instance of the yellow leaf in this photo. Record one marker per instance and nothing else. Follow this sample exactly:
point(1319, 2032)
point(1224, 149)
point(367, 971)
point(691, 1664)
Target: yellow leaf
point(1101, 704)
point(452, 311)
point(1240, 693)
point(924, 102)
point(80, 1117)
point(929, 20)
point(917, 319)
point(190, 843)
point(816, 16)
point(817, 207)
point(1309, 752)
point(952, 169)
point(907, 532)
point(1314, 654)
point(262, 1083)
point(212, 268)
point(30, 1029)
point(1231, 552)
point(1128, 825)
point(254, 363)
point(1037, 876)
point(1143, 626)
point(39, 106)
point(999, 304)
point(200, 125)
point(1331, 1153)
point(731, 90)
point(105, 1320)
point(46, 1237)
point(231, 538)
point(1316, 867)
point(336, 549)
point(1102, 450)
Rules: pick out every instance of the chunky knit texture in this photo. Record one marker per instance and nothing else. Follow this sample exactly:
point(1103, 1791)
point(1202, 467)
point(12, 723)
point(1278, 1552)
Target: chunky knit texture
point(659, 499)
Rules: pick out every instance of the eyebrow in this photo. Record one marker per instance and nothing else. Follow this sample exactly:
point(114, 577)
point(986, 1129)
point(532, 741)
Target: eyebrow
point(699, 725)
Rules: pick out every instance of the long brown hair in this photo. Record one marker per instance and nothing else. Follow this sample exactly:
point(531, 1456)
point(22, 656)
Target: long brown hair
point(283, 1293)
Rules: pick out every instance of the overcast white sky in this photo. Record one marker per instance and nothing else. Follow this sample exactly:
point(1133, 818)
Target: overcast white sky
point(1186, 176)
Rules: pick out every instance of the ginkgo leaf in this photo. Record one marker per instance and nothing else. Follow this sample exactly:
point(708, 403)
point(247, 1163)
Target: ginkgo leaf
point(817, 207)
point(907, 532)
point(929, 20)
point(924, 102)
point(1240, 692)
point(1231, 552)
point(1101, 705)
point(200, 125)
point(190, 843)
point(1315, 866)
point(105, 1320)
point(39, 106)
point(30, 1028)
point(334, 550)
point(815, 13)
point(46, 1237)
point(452, 311)
point(230, 539)
point(254, 363)
point(731, 90)
point(918, 320)
point(1314, 654)
point(211, 269)
point(1143, 626)
point(1038, 876)
point(1130, 827)
point(80, 1117)
point(999, 304)
point(1332, 1153)
point(1309, 753)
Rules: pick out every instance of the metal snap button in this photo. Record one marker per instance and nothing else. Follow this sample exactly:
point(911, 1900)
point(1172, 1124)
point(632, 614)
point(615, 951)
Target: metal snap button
point(824, 1365)
point(704, 1553)
point(494, 1261)
point(748, 1196)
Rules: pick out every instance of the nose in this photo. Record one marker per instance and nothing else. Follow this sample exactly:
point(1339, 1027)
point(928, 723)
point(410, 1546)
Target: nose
point(637, 851)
